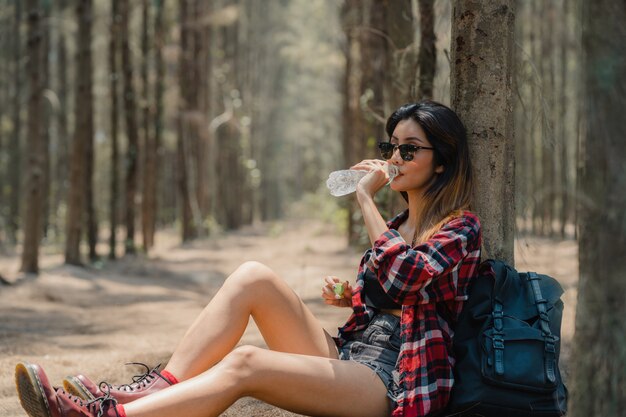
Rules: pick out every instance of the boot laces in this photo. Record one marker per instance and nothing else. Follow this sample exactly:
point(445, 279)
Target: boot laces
point(139, 381)
point(97, 406)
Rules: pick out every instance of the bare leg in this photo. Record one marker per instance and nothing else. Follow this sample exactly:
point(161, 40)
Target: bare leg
point(308, 385)
point(254, 290)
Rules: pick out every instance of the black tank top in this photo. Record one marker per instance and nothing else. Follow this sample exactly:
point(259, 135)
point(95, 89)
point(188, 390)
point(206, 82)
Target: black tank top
point(374, 295)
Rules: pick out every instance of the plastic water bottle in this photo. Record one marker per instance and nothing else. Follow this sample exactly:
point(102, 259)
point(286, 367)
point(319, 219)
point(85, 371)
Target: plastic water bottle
point(344, 182)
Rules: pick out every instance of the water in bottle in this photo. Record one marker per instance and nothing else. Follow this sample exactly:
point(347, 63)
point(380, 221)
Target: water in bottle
point(345, 181)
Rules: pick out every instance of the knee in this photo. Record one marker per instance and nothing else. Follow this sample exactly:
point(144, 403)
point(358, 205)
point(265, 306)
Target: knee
point(240, 364)
point(252, 273)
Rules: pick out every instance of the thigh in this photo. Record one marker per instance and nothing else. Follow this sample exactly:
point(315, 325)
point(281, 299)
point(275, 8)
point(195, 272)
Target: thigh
point(286, 323)
point(313, 385)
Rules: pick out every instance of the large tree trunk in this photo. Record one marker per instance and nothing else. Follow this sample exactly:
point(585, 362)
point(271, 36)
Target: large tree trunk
point(33, 173)
point(83, 133)
point(114, 76)
point(482, 69)
point(599, 375)
point(130, 110)
point(15, 153)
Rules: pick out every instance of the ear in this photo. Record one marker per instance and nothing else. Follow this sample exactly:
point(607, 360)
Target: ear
point(439, 169)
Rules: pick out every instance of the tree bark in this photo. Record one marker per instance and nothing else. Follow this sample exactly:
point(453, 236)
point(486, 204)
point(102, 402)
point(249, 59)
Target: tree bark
point(83, 133)
point(599, 356)
point(33, 173)
point(130, 113)
point(482, 69)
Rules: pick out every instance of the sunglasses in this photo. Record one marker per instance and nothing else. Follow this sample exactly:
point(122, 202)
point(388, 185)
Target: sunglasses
point(407, 150)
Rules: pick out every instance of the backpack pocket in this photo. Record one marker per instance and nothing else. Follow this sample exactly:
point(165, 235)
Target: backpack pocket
point(512, 358)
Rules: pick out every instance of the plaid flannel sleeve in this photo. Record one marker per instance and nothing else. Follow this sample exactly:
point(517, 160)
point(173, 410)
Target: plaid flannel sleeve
point(430, 271)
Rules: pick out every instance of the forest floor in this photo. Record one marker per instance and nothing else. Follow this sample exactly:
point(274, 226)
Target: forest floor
point(93, 320)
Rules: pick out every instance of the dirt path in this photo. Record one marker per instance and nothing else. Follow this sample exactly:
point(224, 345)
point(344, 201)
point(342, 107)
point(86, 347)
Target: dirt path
point(94, 320)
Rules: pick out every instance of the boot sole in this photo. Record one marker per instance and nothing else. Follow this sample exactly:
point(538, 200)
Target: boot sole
point(30, 390)
point(76, 388)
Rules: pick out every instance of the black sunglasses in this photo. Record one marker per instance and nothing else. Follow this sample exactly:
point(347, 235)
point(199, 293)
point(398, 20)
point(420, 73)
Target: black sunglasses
point(407, 150)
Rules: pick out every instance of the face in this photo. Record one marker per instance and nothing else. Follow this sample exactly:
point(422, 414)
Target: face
point(415, 175)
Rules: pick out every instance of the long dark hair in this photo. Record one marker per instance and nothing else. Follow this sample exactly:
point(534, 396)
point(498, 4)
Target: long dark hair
point(450, 191)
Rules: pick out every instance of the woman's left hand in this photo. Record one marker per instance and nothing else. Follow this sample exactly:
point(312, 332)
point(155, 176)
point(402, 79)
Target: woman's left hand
point(376, 179)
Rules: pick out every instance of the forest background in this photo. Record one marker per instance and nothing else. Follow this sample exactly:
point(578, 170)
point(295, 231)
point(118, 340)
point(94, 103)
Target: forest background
point(120, 119)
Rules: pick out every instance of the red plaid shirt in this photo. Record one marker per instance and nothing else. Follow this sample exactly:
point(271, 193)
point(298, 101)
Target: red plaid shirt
point(430, 281)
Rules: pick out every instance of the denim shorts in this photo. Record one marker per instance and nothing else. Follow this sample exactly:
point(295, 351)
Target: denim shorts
point(377, 347)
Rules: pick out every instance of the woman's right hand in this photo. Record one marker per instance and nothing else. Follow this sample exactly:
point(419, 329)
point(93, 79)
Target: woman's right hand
point(333, 299)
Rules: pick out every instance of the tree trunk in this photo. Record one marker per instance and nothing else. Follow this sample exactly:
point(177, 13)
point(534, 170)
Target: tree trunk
point(153, 153)
point(33, 173)
point(185, 83)
point(62, 160)
point(148, 147)
point(46, 109)
point(15, 151)
point(599, 355)
point(91, 219)
point(427, 57)
point(130, 112)
point(114, 76)
point(564, 179)
point(481, 79)
point(83, 133)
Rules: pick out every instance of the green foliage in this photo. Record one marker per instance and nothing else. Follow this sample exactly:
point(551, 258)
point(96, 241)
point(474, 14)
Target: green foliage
point(322, 206)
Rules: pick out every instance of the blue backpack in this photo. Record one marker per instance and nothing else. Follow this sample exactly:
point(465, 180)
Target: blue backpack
point(507, 344)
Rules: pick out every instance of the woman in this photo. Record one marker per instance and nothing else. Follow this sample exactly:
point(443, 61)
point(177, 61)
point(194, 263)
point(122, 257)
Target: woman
point(392, 357)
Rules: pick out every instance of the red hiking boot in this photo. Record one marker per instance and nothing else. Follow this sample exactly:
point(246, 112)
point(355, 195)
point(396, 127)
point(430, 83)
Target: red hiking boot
point(144, 384)
point(40, 399)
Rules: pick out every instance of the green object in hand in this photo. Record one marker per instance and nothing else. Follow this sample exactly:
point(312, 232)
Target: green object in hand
point(338, 289)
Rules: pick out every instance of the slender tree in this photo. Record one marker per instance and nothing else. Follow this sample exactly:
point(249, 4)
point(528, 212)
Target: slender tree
point(482, 69)
point(130, 113)
point(154, 137)
point(427, 57)
point(15, 152)
point(186, 90)
point(599, 356)
point(148, 201)
point(83, 133)
point(114, 76)
point(62, 121)
point(47, 110)
point(34, 176)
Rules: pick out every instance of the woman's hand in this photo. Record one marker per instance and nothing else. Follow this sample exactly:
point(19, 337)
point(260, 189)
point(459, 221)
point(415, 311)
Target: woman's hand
point(376, 178)
point(344, 299)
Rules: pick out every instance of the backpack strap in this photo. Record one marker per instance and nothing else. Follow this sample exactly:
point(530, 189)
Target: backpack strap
point(544, 322)
point(498, 319)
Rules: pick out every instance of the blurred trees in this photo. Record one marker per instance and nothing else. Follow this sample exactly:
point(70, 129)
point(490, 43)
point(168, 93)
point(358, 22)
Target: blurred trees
point(223, 115)
point(205, 116)
point(548, 117)
point(599, 354)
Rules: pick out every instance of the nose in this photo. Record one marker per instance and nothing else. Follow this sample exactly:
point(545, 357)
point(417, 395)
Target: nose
point(396, 159)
